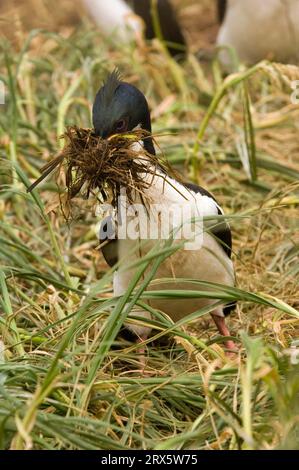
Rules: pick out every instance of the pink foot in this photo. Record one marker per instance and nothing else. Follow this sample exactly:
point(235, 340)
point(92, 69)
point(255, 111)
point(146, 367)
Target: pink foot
point(232, 349)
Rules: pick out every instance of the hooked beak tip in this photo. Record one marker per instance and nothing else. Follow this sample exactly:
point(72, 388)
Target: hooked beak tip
point(100, 133)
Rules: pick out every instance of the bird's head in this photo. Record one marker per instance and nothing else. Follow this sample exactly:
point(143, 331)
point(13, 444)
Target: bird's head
point(120, 107)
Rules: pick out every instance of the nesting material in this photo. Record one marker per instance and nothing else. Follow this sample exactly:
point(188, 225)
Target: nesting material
point(91, 163)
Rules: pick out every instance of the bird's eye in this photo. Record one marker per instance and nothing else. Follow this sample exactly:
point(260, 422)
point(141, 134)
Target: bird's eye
point(121, 125)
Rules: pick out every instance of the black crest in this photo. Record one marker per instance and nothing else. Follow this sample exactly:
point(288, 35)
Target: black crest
point(110, 86)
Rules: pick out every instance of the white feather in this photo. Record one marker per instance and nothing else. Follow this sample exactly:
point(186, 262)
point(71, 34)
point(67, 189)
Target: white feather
point(207, 263)
point(115, 18)
point(261, 29)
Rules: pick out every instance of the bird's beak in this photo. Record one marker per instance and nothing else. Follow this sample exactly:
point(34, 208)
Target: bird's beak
point(103, 133)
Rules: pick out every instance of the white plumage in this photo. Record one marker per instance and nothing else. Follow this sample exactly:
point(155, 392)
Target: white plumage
point(261, 29)
point(207, 262)
point(115, 19)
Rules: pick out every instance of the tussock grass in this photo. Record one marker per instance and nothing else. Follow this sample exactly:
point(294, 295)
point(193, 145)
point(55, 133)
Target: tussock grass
point(68, 379)
point(94, 164)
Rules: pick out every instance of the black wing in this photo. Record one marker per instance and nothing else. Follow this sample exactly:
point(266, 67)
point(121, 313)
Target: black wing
point(223, 234)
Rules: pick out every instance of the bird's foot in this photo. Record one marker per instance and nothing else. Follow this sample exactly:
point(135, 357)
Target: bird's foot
point(231, 350)
point(230, 346)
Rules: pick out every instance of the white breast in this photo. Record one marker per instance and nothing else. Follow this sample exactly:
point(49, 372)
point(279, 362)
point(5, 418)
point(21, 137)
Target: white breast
point(171, 209)
point(207, 262)
point(261, 29)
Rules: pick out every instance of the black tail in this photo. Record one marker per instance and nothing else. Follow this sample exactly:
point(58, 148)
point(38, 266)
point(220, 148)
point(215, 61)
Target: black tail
point(229, 308)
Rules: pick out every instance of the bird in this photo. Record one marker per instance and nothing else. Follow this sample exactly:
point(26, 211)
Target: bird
point(120, 107)
point(170, 27)
point(259, 30)
point(123, 20)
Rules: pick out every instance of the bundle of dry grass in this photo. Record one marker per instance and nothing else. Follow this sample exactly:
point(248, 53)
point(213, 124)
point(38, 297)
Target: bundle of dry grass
point(105, 164)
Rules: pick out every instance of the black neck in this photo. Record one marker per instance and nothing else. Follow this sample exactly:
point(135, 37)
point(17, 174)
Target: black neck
point(148, 142)
point(149, 146)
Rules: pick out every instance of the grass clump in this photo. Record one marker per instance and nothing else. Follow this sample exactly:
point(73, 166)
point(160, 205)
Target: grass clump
point(100, 164)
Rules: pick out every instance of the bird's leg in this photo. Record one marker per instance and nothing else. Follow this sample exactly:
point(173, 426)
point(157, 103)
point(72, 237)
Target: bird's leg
point(224, 331)
point(141, 351)
point(142, 333)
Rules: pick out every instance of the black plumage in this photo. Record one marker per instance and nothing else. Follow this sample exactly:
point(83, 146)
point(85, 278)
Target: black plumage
point(170, 28)
point(221, 10)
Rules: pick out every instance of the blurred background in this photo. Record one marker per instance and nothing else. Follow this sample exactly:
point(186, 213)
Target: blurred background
point(197, 18)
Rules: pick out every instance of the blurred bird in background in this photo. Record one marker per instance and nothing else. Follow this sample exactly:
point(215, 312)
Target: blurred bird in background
point(254, 29)
point(126, 19)
point(259, 30)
